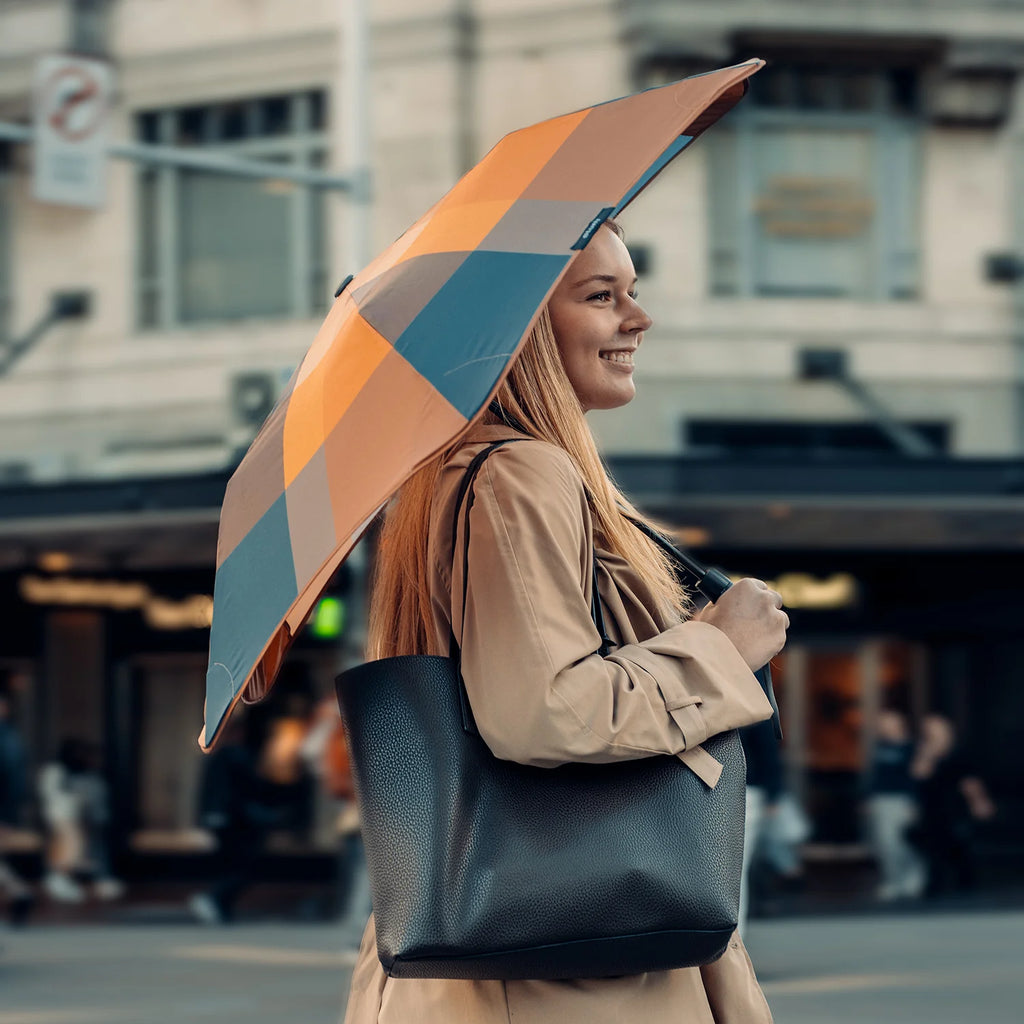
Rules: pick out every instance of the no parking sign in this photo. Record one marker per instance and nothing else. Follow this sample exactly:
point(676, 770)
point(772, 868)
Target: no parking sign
point(72, 99)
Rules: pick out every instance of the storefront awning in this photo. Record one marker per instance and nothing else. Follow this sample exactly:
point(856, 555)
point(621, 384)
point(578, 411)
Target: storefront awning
point(897, 504)
point(152, 522)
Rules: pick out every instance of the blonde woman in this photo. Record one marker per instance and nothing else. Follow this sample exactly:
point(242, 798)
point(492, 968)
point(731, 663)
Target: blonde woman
point(540, 694)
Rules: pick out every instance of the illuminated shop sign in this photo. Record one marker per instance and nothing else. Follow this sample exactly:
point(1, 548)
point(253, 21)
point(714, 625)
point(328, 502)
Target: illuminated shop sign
point(801, 590)
point(192, 612)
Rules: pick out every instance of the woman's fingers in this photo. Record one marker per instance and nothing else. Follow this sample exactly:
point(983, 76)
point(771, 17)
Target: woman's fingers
point(750, 613)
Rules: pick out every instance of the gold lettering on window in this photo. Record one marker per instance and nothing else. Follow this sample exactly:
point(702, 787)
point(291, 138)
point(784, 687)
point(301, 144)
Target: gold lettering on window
point(801, 206)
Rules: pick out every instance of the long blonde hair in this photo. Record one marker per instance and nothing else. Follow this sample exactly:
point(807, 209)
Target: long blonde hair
point(536, 395)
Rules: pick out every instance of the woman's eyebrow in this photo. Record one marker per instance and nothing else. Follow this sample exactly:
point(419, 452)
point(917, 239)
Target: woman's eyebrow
point(606, 278)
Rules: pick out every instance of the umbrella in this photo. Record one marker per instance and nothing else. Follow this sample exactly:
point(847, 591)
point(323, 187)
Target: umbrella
point(412, 351)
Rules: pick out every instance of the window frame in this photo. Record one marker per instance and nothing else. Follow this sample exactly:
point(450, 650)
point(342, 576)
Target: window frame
point(303, 145)
point(889, 244)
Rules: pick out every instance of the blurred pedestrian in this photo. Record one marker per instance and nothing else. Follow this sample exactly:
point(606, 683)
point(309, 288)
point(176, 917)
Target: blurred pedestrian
point(891, 807)
point(775, 826)
point(541, 689)
point(75, 807)
point(784, 830)
point(764, 787)
point(953, 799)
point(13, 767)
point(234, 809)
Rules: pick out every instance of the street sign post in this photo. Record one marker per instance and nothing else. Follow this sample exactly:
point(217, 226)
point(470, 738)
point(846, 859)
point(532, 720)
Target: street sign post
point(72, 100)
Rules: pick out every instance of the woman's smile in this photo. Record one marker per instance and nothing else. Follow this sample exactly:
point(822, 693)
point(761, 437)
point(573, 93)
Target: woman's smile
point(598, 323)
point(620, 359)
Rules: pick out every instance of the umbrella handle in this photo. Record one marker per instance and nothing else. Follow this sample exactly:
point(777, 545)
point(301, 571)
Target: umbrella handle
point(712, 583)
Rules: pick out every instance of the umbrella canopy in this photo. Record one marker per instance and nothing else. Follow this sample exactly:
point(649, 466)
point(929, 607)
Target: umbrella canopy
point(411, 353)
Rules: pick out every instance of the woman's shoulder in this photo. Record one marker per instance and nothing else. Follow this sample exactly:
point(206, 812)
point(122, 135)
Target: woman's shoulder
point(524, 483)
point(523, 466)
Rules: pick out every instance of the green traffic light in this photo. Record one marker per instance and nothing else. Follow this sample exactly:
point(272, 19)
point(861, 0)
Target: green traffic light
point(328, 619)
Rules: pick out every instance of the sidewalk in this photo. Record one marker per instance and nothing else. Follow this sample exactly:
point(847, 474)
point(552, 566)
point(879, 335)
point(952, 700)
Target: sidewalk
point(910, 969)
point(942, 967)
point(170, 974)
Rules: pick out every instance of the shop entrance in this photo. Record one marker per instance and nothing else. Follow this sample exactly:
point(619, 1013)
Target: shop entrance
point(830, 692)
point(159, 705)
point(169, 698)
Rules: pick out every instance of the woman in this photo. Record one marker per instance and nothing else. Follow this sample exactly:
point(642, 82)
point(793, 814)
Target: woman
point(540, 694)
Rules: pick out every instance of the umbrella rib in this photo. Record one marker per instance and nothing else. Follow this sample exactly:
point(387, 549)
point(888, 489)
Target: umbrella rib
point(482, 359)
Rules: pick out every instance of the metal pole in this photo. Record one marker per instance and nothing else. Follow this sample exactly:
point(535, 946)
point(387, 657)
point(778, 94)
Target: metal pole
point(356, 46)
point(906, 439)
point(63, 306)
point(465, 84)
point(13, 350)
point(202, 160)
point(355, 82)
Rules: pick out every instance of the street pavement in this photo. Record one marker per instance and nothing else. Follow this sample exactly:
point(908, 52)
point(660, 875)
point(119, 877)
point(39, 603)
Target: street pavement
point(185, 974)
point(923, 968)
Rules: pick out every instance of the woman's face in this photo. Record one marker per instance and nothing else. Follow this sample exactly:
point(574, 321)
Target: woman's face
point(598, 323)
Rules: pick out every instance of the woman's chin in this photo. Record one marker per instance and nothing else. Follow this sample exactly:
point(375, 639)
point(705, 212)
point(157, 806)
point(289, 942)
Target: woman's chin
point(611, 399)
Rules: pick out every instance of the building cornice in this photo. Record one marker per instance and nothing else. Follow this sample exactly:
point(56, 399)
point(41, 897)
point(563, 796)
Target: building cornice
point(247, 68)
point(572, 26)
point(998, 20)
point(708, 28)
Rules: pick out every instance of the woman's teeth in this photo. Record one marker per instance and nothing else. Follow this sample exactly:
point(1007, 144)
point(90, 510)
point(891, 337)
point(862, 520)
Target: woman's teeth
point(617, 357)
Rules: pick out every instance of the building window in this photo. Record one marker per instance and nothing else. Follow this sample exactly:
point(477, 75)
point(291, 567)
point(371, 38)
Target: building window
point(215, 247)
point(813, 186)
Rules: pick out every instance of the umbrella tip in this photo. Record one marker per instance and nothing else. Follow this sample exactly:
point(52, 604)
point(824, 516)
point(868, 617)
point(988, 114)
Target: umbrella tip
point(344, 284)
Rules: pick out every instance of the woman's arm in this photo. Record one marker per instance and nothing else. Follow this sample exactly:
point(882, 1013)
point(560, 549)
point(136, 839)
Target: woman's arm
point(540, 693)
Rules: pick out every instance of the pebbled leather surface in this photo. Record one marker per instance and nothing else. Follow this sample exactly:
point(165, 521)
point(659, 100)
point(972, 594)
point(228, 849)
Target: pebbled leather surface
point(482, 868)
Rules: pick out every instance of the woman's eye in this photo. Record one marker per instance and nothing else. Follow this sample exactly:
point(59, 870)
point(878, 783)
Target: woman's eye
point(599, 295)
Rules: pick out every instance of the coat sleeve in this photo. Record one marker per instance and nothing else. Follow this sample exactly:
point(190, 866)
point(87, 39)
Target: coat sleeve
point(540, 693)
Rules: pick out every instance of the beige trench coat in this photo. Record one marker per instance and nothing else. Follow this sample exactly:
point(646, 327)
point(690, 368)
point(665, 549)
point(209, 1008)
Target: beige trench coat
point(541, 696)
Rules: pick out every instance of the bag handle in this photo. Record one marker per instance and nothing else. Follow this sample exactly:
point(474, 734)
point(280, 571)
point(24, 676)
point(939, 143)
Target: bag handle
point(596, 611)
point(467, 494)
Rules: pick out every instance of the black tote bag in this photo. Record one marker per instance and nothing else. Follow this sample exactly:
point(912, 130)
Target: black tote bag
point(482, 868)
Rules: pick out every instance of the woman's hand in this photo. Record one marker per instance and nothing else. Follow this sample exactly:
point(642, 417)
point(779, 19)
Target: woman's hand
point(751, 616)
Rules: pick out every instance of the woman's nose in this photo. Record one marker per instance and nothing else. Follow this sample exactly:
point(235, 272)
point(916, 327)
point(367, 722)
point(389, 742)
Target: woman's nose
point(636, 319)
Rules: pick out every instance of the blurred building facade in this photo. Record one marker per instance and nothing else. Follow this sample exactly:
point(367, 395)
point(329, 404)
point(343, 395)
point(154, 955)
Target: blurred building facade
point(832, 398)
